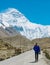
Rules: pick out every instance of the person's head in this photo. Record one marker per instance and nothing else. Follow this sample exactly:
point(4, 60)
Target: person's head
point(36, 44)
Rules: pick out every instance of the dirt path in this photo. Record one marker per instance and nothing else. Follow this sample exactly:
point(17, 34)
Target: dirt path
point(26, 58)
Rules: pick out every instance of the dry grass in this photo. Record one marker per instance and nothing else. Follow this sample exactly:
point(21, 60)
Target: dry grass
point(20, 44)
point(44, 42)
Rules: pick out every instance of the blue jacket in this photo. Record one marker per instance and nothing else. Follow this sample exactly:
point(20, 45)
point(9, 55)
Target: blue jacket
point(36, 48)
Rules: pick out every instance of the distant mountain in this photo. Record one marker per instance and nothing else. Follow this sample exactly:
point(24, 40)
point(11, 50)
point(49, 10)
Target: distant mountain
point(3, 33)
point(13, 18)
point(8, 32)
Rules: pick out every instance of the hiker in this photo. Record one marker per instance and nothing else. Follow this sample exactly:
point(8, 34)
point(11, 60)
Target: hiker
point(36, 48)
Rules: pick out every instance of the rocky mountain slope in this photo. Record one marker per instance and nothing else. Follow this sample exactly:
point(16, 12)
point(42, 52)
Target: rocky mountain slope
point(13, 18)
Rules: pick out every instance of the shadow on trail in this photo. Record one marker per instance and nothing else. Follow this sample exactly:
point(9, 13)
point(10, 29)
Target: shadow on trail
point(33, 62)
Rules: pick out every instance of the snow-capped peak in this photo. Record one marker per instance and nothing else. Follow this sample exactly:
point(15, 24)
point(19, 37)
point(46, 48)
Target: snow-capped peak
point(13, 11)
point(12, 17)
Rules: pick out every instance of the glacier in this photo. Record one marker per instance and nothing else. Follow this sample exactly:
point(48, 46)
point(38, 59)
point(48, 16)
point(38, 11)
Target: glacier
point(11, 17)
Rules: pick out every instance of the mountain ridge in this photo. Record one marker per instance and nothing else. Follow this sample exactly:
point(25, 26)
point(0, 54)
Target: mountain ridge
point(12, 17)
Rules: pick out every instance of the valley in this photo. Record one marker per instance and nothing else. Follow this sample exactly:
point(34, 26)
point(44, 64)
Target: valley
point(12, 46)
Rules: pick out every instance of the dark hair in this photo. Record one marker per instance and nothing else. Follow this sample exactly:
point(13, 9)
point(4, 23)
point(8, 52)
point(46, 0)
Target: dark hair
point(36, 43)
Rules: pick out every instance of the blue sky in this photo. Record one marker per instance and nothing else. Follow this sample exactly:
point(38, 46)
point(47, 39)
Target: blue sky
point(37, 11)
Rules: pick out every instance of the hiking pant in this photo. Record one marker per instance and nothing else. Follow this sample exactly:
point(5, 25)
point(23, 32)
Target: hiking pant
point(36, 56)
